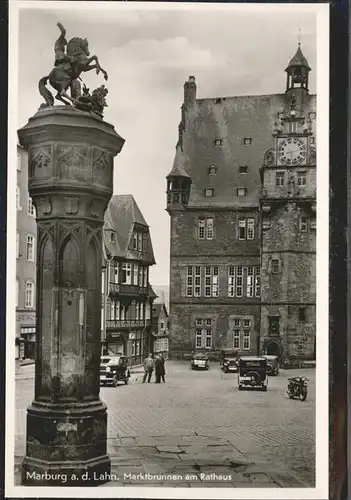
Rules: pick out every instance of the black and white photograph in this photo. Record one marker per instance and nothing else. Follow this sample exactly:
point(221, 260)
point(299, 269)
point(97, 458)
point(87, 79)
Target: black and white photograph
point(167, 293)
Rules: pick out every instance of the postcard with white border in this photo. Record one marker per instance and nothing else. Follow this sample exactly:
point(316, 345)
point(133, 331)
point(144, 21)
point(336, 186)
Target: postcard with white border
point(168, 269)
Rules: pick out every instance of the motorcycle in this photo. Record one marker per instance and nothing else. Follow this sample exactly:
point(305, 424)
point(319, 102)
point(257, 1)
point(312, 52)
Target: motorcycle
point(297, 388)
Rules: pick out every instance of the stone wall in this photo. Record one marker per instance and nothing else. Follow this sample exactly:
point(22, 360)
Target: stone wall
point(183, 318)
point(290, 293)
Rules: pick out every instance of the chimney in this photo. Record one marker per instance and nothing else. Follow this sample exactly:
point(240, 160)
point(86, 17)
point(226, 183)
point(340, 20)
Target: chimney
point(190, 92)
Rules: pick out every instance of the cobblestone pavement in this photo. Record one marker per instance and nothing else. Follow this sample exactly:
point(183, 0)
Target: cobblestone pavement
point(200, 428)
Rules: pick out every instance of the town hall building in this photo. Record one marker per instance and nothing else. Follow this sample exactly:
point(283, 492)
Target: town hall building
point(242, 202)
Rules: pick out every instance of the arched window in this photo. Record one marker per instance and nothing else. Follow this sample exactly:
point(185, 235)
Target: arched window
point(29, 294)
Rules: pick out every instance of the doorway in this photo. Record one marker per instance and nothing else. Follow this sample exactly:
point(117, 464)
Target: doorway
point(273, 349)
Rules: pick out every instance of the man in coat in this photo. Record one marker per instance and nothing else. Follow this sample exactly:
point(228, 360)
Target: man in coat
point(163, 371)
point(148, 368)
point(158, 368)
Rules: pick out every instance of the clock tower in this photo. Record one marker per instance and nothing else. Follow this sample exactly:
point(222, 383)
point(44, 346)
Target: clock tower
point(288, 211)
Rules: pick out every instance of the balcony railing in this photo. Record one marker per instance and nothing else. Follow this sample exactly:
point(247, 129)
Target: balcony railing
point(127, 290)
point(127, 323)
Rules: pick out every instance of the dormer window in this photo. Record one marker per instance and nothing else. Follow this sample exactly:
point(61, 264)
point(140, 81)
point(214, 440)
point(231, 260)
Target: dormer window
point(112, 237)
point(217, 142)
point(247, 141)
point(243, 169)
point(140, 242)
point(241, 191)
point(135, 241)
point(212, 170)
point(209, 192)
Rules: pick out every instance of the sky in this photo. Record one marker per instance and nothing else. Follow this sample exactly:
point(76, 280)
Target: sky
point(148, 54)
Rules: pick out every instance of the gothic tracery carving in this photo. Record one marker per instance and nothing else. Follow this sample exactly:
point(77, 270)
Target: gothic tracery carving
point(101, 166)
point(73, 161)
point(40, 161)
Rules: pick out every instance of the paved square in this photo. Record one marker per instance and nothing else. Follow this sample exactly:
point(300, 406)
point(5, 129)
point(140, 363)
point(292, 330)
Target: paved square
point(198, 422)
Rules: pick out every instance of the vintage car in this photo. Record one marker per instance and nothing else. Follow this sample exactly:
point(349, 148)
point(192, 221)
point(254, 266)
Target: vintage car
point(229, 361)
point(272, 364)
point(199, 361)
point(113, 370)
point(252, 373)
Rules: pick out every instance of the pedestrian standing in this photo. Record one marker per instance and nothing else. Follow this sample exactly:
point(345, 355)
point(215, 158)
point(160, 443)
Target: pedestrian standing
point(148, 368)
point(158, 369)
point(163, 371)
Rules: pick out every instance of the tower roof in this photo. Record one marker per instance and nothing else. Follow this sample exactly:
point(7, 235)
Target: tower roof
point(298, 60)
point(178, 165)
point(120, 217)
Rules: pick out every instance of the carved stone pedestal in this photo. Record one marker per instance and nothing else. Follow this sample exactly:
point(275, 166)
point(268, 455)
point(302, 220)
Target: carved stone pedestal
point(70, 181)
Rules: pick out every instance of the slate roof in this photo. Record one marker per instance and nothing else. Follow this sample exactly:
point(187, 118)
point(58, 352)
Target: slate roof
point(151, 292)
point(298, 60)
point(156, 309)
point(178, 164)
point(231, 119)
point(120, 217)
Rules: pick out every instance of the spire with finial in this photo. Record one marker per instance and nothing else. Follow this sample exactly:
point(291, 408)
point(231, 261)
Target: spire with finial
point(178, 182)
point(299, 37)
point(297, 70)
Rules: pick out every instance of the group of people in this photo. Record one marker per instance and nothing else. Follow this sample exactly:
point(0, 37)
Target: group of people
point(157, 364)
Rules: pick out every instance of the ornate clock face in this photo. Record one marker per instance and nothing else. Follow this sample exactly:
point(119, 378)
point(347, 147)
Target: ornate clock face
point(292, 151)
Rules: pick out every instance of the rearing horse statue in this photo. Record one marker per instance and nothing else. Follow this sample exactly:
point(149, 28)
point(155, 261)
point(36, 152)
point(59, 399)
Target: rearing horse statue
point(71, 59)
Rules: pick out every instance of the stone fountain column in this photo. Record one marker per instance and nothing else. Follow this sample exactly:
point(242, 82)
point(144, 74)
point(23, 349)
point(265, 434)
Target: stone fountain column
point(70, 155)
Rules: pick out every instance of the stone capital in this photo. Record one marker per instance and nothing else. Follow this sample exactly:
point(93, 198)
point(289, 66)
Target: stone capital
point(70, 125)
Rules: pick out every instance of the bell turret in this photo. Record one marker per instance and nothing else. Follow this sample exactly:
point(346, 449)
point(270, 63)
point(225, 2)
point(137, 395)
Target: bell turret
point(297, 72)
point(178, 183)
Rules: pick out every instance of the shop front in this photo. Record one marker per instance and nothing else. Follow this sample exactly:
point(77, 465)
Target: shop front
point(25, 335)
point(114, 344)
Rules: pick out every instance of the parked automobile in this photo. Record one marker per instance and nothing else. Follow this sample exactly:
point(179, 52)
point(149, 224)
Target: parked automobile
point(114, 370)
point(272, 364)
point(199, 361)
point(297, 388)
point(252, 373)
point(229, 361)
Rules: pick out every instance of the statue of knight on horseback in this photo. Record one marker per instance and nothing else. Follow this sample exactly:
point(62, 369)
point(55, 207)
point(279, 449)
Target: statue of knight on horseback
point(71, 59)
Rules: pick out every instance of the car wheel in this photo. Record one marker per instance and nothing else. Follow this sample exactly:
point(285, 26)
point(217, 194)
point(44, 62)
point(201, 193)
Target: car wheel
point(126, 381)
point(264, 388)
point(255, 378)
point(225, 370)
point(240, 388)
point(115, 381)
